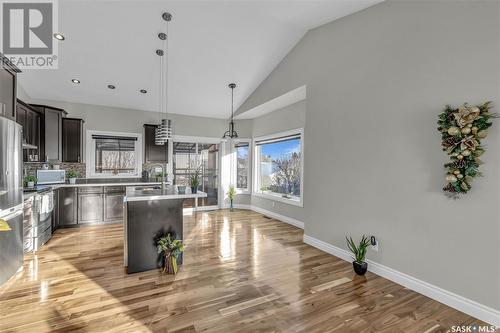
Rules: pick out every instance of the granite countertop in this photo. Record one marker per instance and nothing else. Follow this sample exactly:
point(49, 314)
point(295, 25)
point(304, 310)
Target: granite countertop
point(90, 182)
point(134, 194)
point(106, 181)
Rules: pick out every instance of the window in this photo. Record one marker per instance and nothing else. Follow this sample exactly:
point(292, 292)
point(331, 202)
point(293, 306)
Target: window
point(278, 167)
point(242, 165)
point(187, 156)
point(113, 155)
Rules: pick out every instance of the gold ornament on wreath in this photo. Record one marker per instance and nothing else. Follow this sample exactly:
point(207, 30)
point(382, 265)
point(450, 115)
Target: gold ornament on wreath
point(462, 130)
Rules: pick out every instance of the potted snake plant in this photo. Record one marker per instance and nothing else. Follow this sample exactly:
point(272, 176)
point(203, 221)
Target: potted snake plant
point(359, 264)
point(194, 181)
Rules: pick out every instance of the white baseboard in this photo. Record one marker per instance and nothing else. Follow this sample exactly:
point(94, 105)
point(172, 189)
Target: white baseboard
point(283, 218)
point(470, 307)
point(237, 206)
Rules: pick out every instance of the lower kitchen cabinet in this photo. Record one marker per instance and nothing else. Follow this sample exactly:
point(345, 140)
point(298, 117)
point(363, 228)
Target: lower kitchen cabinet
point(67, 206)
point(113, 207)
point(55, 211)
point(89, 205)
point(90, 208)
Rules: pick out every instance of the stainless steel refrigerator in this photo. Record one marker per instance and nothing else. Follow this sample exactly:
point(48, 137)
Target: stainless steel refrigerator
point(11, 199)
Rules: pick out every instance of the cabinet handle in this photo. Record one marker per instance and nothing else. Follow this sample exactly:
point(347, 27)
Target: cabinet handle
point(2, 110)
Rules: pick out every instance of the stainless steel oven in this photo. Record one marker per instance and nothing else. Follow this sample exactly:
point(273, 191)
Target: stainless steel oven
point(37, 223)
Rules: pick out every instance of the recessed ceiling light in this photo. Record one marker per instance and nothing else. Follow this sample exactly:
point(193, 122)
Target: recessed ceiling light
point(110, 86)
point(76, 81)
point(143, 91)
point(59, 36)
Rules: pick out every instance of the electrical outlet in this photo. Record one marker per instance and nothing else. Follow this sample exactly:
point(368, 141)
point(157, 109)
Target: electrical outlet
point(374, 243)
point(274, 203)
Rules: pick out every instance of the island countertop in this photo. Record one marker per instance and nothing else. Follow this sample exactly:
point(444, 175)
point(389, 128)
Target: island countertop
point(146, 193)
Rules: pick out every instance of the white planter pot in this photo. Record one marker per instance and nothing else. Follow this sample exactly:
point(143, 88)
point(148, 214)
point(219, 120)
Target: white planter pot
point(72, 180)
point(31, 184)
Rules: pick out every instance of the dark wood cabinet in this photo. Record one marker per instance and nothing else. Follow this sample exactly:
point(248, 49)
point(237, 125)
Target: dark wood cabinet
point(90, 208)
point(72, 143)
point(29, 118)
point(55, 211)
point(90, 204)
point(153, 153)
point(67, 206)
point(50, 148)
point(8, 88)
point(113, 203)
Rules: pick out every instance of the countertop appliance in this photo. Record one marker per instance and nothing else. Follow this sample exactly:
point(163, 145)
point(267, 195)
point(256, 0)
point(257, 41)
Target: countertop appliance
point(51, 176)
point(11, 198)
point(37, 222)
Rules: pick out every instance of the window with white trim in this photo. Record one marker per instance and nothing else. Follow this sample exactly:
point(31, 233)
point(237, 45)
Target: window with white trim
point(279, 167)
point(114, 154)
point(242, 153)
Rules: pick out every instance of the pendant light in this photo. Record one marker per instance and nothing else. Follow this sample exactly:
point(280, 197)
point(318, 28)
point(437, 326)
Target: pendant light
point(163, 131)
point(231, 133)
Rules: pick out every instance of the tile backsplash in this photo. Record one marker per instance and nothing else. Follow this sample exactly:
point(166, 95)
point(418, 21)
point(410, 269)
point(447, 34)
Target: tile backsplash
point(31, 167)
point(79, 168)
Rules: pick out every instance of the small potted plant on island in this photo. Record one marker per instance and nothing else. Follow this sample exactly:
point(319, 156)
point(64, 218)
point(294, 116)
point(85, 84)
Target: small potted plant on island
point(181, 188)
point(170, 248)
point(72, 176)
point(30, 180)
point(194, 181)
point(359, 263)
point(231, 194)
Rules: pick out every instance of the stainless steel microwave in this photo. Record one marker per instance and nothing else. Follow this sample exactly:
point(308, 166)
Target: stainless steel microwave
point(51, 176)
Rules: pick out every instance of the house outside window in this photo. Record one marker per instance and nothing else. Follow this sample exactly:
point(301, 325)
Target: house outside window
point(112, 154)
point(242, 154)
point(279, 167)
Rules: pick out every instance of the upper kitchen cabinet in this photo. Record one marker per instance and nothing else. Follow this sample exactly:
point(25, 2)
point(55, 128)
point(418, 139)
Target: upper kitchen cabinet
point(30, 119)
point(153, 153)
point(8, 88)
point(51, 132)
point(72, 143)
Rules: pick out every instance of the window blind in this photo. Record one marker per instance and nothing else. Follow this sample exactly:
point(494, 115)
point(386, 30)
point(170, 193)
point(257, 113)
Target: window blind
point(112, 137)
point(242, 144)
point(278, 139)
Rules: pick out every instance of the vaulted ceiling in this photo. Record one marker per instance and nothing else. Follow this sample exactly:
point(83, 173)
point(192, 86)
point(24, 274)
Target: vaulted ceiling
point(211, 43)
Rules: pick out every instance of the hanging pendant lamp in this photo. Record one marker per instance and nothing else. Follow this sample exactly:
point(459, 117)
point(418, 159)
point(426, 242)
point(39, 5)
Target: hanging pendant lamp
point(231, 133)
point(163, 131)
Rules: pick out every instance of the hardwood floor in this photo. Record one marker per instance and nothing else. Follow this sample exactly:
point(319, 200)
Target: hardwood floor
point(242, 272)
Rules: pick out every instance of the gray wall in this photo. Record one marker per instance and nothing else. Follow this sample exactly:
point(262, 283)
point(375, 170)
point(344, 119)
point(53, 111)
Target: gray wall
point(106, 118)
point(376, 81)
point(288, 118)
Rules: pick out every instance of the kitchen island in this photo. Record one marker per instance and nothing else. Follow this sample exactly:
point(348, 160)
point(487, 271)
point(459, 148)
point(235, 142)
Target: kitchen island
point(149, 213)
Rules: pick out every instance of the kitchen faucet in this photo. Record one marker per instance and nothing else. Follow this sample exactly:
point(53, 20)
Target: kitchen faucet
point(163, 171)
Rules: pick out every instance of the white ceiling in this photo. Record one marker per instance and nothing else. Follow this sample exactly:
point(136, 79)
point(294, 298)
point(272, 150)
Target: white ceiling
point(211, 43)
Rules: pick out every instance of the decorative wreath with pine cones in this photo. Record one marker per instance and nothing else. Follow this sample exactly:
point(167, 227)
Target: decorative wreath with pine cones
point(462, 130)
